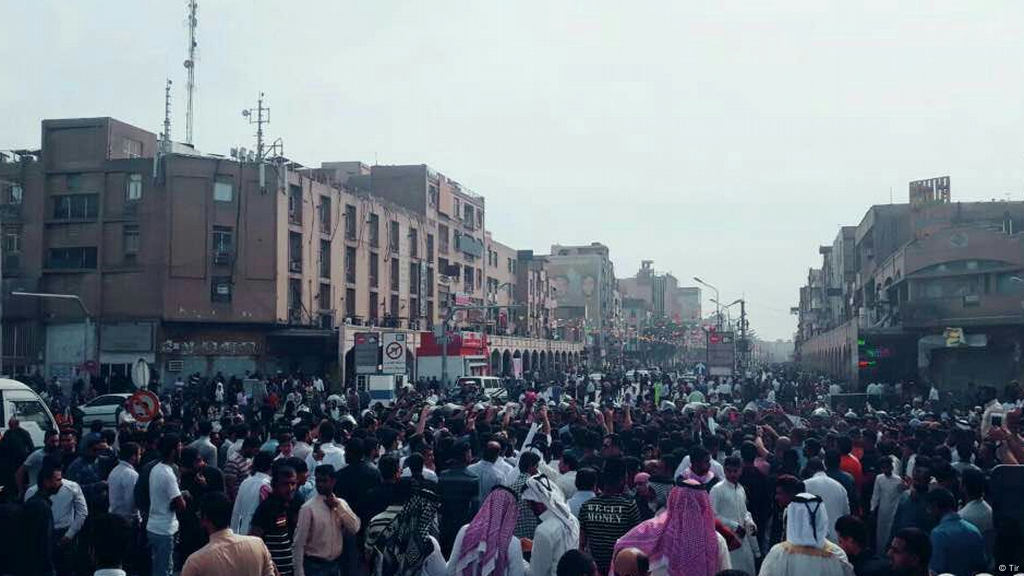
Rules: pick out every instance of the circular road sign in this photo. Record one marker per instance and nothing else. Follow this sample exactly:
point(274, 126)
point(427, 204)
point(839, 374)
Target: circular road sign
point(143, 406)
point(394, 350)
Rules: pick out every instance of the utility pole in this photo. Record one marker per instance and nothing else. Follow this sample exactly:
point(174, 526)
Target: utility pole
point(743, 332)
point(262, 116)
point(190, 66)
point(165, 145)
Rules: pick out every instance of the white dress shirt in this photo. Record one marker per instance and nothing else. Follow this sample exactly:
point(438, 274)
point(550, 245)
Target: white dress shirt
point(332, 455)
point(833, 495)
point(121, 489)
point(567, 484)
point(579, 499)
point(68, 506)
point(489, 474)
point(247, 502)
point(716, 468)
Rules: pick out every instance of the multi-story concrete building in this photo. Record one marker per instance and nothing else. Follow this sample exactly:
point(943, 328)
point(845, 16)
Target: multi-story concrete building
point(688, 302)
point(584, 285)
point(500, 286)
point(659, 290)
point(928, 291)
point(201, 263)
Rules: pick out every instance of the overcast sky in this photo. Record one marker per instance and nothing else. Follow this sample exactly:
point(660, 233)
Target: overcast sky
point(725, 140)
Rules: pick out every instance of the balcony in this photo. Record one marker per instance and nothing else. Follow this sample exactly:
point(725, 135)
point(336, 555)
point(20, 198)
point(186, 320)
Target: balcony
point(10, 212)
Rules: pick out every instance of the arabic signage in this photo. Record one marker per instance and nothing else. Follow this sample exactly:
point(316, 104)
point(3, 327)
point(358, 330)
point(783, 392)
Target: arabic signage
point(366, 349)
point(472, 340)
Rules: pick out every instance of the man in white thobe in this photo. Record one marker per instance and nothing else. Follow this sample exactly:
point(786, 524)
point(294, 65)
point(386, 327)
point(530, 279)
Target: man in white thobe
point(832, 493)
point(805, 550)
point(729, 500)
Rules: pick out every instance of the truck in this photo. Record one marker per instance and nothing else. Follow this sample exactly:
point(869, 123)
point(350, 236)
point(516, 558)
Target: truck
point(458, 366)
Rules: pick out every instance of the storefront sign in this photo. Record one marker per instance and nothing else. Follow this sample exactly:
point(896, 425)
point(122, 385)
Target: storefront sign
point(472, 340)
point(366, 349)
point(210, 347)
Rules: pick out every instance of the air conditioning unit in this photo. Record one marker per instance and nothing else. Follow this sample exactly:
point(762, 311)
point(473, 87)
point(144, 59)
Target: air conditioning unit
point(295, 266)
point(222, 258)
point(327, 320)
point(175, 365)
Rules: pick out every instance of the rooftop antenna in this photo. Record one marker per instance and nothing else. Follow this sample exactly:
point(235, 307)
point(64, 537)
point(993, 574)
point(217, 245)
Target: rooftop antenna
point(890, 194)
point(166, 142)
point(262, 116)
point(190, 66)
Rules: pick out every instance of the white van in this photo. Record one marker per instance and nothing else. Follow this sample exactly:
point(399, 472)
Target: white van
point(490, 386)
point(18, 400)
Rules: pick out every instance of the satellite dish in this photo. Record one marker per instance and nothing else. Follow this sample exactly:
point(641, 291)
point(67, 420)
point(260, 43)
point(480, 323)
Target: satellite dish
point(140, 374)
point(245, 113)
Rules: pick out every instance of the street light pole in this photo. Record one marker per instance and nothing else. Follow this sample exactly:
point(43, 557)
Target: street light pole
point(85, 312)
point(718, 310)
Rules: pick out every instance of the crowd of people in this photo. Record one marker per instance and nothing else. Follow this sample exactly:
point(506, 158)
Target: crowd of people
point(775, 473)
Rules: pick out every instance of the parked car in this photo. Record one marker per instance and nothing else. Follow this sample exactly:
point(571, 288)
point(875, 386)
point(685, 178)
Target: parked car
point(18, 400)
point(106, 408)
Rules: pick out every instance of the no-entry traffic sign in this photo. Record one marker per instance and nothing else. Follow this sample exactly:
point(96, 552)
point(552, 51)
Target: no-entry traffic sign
point(143, 406)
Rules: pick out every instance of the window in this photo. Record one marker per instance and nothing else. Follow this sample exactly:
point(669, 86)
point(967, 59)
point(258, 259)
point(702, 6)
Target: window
point(223, 191)
point(430, 247)
point(133, 190)
point(468, 216)
point(12, 241)
point(11, 250)
point(294, 252)
point(132, 148)
point(414, 308)
point(394, 273)
point(394, 237)
point(223, 242)
point(430, 281)
point(432, 193)
point(374, 231)
point(325, 214)
point(414, 243)
point(75, 206)
point(325, 259)
point(295, 300)
point(442, 232)
point(468, 278)
point(442, 266)
point(131, 240)
point(14, 193)
point(74, 182)
point(350, 302)
point(350, 222)
point(295, 204)
point(479, 278)
point(374, 306)
point(430, 311)
point(220, 289)
point(414, 278)
point(374, 270)
point(350, 265)
point(73, 258)
point(394, 306)
point(324, 298)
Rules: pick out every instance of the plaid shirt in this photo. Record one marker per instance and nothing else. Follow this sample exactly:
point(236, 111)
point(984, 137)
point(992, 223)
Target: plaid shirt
point(528, 521)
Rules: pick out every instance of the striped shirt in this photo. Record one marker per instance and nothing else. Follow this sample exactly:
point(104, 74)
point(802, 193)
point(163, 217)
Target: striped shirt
point(603, 520)
point(276, 519)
